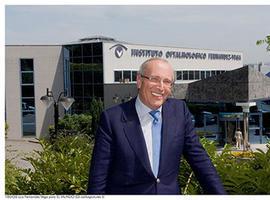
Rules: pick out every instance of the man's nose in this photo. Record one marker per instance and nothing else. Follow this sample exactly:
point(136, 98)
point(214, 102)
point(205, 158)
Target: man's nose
point(160, 84)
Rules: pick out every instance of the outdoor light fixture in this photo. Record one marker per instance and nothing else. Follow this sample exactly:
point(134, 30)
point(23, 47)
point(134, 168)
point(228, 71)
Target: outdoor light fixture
point(66, 102)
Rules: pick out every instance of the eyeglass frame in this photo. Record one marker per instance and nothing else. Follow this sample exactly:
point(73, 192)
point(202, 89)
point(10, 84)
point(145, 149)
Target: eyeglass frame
point(157, 79)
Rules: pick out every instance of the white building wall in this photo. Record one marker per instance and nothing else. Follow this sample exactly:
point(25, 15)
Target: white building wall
point(127, 61)
point(48, 73)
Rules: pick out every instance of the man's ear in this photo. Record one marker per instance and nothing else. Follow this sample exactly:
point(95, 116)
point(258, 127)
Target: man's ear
point(139, 81)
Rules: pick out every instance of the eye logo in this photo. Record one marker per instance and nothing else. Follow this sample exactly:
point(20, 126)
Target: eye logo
point(119, 50)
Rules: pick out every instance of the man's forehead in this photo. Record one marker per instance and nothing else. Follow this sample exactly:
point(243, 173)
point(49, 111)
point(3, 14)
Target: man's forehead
point(159, 62)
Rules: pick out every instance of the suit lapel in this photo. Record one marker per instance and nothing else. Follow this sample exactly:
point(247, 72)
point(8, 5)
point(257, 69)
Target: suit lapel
point(168, 130)
point(134, 134)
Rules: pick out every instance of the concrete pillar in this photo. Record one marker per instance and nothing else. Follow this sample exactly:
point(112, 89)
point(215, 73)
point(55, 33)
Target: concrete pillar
point(245, 107)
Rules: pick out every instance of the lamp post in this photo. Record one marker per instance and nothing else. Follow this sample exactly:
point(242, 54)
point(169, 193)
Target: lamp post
point(66, 102)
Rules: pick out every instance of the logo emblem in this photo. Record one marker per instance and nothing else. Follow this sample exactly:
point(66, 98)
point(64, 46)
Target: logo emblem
point(119, 50)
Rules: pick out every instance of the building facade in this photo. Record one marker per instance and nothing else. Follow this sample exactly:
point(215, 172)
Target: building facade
point(96, 67)
point(30, 69)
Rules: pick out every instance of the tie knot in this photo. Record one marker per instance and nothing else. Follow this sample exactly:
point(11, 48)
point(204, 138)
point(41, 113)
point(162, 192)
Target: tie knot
point(155, 114)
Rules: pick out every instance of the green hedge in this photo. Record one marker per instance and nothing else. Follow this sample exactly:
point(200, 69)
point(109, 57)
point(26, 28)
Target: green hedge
point(62, 168)
point(73, 125)
point(239, 175)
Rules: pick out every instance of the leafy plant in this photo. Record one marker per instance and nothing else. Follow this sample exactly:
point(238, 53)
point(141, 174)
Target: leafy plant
point(59, 168)
point(266, 40)
point(6, 129)
point(73, 125)
point(62, 168)
point(186, 178)
point(246, 173)
point(12, 175)
point(96, 108)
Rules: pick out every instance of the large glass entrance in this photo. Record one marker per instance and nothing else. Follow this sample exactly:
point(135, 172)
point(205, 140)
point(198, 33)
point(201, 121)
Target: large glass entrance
point(256, 135)
point(229, 122)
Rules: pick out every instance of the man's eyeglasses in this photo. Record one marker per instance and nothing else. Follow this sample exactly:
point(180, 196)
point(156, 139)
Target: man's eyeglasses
point(157, 80)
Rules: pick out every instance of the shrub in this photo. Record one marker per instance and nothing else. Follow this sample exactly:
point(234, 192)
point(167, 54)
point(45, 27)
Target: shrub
point(60, 168)
point(246, 173)
point(12, 175)
point(243, 154)
point(96, 108)
point(186, 178)
point(6, 129)
point(73, 125)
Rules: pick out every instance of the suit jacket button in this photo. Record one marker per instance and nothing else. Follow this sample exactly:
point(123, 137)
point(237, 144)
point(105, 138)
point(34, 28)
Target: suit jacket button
point(158, 180)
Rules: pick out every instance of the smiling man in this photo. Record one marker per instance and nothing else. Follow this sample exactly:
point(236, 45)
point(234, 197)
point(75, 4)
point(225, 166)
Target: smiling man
point(139, 144)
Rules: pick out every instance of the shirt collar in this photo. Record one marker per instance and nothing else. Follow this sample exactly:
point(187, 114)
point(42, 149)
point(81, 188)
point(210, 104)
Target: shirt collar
point(142, 109)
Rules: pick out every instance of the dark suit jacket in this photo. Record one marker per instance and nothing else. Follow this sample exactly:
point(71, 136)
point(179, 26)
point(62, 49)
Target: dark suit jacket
point(120, 163)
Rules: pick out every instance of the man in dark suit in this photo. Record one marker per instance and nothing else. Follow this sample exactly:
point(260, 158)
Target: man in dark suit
point(139, 143)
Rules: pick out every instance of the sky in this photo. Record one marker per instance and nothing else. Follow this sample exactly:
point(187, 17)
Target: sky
point(235, 28)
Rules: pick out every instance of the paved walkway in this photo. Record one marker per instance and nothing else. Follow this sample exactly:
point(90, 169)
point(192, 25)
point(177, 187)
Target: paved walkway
point(16, 150)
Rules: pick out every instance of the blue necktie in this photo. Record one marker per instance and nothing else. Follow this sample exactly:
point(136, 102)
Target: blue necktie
point(156, 139)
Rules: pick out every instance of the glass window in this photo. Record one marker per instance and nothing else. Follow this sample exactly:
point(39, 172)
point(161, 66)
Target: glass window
point(127, 76)
point(78, 104)
point(27, 65)
point(27, 97)
point(77, 77)
point(77, 60)
point(76, 66)
point(86, 104)
point(27, 78)
point(29, 129)
point(97, 59)
point(97, 49)
point(98, 90)
point(87, 60)
point(76, 50)
point(87, 49)
point(71, 77)
point(88, 90)
point(218, 72)
point(78, 90)
point(29, 117)
point(28, 91)
point(207, 74)
point(98, 76)
point(190, 75)
point(197, 75)
point(179, 75)
point(28, 104)
point(87, 77)
point(185, 75)
point(202, 74)
point(86, 69)
point(72, 91)
point(213, 73)
point(117, 76)
point(134, 76)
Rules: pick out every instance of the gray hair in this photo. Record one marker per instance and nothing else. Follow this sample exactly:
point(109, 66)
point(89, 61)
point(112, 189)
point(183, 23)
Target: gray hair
point(145, 65)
